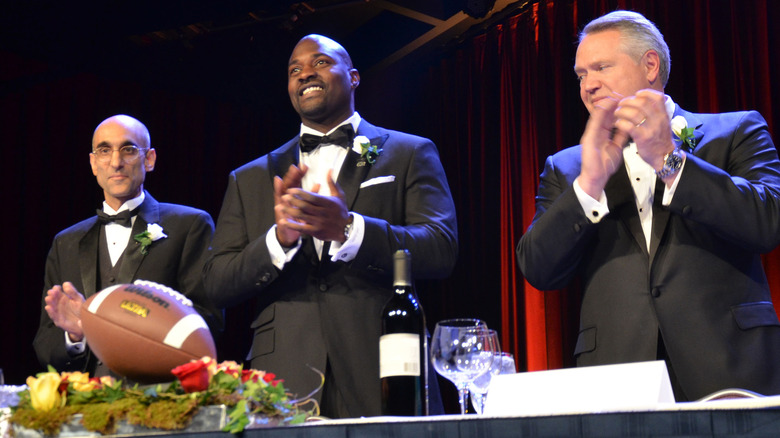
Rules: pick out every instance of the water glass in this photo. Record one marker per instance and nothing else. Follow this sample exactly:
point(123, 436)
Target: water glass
point(503, 363)
point(462, 350)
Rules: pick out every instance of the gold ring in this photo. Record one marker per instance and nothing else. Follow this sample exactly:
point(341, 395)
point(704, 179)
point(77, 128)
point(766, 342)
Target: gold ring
point(640, 123)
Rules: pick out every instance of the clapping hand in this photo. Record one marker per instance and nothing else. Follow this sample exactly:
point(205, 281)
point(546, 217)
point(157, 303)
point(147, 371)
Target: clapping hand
point(63, 304)
point(285, 234)
point(317, 215)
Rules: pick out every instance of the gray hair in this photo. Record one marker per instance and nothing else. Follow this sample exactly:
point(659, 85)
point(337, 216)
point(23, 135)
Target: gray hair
point(639, 35)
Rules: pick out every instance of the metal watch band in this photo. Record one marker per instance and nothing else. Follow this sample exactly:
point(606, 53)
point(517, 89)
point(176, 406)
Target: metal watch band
point(672, 163)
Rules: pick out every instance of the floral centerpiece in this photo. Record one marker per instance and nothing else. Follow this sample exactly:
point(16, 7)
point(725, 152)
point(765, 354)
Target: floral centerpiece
point(53, 398)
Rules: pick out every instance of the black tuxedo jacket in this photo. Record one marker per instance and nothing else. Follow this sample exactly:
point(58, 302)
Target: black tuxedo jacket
point(315, 313)
point(701, 284)
point(175, 261)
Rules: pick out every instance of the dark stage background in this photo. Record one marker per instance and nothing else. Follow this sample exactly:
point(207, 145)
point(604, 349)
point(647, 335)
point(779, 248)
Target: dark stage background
point(497, 100)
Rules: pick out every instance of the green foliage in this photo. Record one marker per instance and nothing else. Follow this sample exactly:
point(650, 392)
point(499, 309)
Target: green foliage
point(163, 406)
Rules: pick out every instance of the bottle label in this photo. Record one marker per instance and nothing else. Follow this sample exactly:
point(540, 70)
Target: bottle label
point(399, 355)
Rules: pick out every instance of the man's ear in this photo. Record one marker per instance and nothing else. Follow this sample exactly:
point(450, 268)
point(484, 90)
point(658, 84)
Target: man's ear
point(150, 159)
point(354, 76)
point(652, 63)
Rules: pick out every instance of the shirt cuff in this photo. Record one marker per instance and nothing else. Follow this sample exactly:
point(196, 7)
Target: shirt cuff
point(669, 191)
point(279, 257)
point(594, 209)
point(75, 348)
point(347, 251)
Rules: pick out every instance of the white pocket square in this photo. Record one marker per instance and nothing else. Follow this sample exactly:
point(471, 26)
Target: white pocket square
point(378, 180)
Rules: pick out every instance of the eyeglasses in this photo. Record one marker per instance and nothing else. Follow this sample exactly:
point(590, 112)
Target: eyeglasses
point(128, 153)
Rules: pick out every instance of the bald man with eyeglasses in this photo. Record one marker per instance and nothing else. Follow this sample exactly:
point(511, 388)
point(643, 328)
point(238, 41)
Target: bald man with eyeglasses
point(103, 250)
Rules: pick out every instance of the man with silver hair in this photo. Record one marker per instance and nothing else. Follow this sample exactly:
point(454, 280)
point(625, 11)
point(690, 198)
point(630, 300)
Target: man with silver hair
point(663, 215)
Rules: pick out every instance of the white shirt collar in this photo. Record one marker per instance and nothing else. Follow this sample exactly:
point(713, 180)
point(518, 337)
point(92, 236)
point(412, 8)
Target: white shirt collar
point(354, 119)
point(127, 205)
point(670, 106)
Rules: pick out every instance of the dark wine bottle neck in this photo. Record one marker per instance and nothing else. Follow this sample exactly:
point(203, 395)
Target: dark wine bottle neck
point(402, 269)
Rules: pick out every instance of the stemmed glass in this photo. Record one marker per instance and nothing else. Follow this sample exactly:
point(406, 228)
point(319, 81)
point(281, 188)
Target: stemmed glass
point(503, 363)
point(461, 350)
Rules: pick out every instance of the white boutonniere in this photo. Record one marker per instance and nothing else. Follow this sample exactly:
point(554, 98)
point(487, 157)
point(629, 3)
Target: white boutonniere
point(153, 233)
point(368, 152)
point(683, 132)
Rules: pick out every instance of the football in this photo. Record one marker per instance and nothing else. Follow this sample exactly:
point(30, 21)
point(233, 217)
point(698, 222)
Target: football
point(141, 331)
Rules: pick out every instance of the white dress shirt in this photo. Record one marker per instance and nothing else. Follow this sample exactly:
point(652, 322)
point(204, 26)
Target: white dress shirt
point(118, 236)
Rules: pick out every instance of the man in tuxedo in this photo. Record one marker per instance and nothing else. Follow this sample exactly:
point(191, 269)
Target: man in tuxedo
point(664, 230)
point(101, 251)
point(308, 231)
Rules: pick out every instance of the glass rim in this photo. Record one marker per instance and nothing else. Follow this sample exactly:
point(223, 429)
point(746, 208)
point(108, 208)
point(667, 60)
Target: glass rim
point(462, 322)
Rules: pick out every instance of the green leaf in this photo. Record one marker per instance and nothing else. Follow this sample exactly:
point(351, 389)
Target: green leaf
point(237, 418)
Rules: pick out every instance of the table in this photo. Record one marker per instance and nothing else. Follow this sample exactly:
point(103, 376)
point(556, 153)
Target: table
point(763, 422)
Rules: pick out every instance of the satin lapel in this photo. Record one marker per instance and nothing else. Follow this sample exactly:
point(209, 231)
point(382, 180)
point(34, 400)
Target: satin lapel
point(350, 177)
point(132, 257)
point(88, 253)
point(621, 202)
point(660, 218)
point(281, 159)
point(354, 170)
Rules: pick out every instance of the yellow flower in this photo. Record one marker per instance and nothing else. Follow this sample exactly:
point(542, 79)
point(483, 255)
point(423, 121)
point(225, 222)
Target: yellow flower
point(230, 367)
point(44, 391)
point(79, 380)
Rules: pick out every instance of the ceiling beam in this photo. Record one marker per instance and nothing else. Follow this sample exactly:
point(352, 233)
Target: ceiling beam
point(442, 30)
point(406, 12)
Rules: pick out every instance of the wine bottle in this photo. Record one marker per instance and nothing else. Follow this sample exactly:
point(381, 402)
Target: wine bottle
point(403, 346)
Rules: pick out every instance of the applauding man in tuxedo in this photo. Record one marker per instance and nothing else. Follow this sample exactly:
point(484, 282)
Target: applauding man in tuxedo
point(101, 251)
point(663, 214)
point(308, 233)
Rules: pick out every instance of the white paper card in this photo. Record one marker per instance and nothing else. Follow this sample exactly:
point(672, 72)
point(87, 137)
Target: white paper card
point(607, 388)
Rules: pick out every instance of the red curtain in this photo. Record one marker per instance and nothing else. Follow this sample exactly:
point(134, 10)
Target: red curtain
point(520, 84)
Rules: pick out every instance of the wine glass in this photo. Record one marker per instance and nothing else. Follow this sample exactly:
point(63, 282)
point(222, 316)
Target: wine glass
point(503, 363)
point(478, 386)
point(461, 350)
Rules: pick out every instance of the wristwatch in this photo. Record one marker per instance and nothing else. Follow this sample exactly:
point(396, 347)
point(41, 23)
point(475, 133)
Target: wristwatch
point(347, 230)
point(672, 163)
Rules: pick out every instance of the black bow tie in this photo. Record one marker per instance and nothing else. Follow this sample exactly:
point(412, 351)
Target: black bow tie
point(342, 136)
point(122, 218)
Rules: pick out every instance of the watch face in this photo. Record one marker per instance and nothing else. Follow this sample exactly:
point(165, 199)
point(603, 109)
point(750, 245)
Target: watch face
point(675, 160)
point(672, 163)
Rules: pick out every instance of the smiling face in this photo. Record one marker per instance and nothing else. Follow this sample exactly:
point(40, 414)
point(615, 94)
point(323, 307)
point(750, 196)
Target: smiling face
point(321, 82)
point(121, 181)
point(605, 69)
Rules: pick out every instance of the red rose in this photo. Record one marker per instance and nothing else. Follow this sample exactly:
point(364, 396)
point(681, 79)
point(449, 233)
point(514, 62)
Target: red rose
point(194, 376)
point(247, 375)
point(269, 377)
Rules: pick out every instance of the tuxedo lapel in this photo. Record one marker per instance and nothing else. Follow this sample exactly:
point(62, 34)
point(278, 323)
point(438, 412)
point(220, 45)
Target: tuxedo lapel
point(281, 159)
point(88, 253)
point(354, 170)
point(350, 177)
point(692, 121)
point(660, 218)
point(132, 257)
point(661, 214)
point(620, 200)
